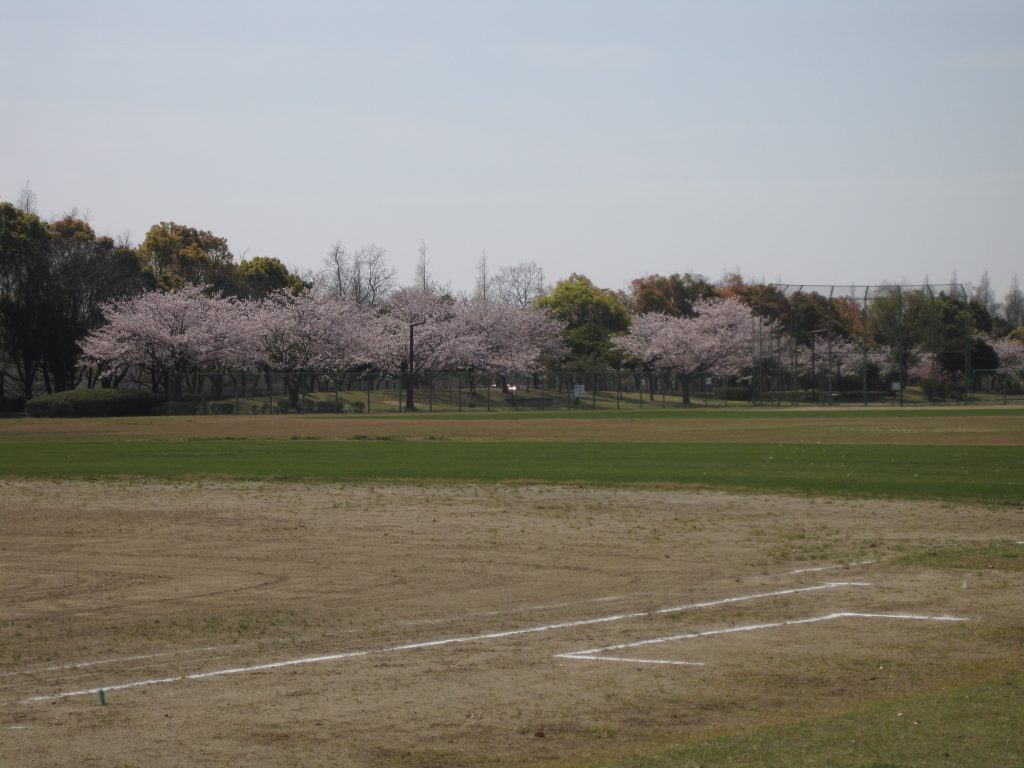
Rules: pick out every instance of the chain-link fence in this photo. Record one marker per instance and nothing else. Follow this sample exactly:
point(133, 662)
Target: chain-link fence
point(892, 344)
point(997, 386)
point(316, 392)
point(443, 391)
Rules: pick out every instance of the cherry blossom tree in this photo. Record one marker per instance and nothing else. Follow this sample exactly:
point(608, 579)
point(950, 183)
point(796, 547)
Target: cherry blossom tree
point(166, 333)
point(296, 335)
point(511, 338)
point(420, 331)
point(717, 338)
point(425, 330)
point(927, 368)
point(1011, 356)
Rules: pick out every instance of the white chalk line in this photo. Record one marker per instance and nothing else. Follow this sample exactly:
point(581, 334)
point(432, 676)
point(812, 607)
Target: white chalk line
point(113, 660)
point(594, 654)
point(439, 643)
point(831, 567)
point(757, 596)
point(419, 622)
point(632, 661)
point(144, 656)
point(525, 609)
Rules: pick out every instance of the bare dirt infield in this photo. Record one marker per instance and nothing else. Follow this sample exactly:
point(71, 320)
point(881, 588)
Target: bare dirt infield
point(927, 426)
point(110, 583)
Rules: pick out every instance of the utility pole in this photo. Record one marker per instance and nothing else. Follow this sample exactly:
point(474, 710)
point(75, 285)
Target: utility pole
point(410, 405)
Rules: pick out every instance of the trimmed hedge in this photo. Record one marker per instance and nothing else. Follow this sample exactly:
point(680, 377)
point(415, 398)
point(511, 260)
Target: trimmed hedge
point(12, 405)
point(94, 402)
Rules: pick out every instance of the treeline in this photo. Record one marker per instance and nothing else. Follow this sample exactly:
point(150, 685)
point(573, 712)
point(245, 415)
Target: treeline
point(157, 335)
point(61, 284)
point(56, 278)
point(896, 326)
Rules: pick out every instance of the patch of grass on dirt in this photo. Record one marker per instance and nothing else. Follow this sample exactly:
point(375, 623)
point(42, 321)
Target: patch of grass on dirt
point(1001, 556)
point(975, 724)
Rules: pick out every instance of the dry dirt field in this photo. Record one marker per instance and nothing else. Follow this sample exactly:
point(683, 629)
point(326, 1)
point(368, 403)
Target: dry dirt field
point(421, 625)
point(909, 426)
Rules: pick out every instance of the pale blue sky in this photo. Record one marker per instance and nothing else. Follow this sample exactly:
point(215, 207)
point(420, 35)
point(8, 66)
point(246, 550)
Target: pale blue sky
point(808, 141)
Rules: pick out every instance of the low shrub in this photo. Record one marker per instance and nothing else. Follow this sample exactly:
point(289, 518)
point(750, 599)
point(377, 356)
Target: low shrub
point(94, 402)
point(12, 404)
point(181, 408)
point(734, 393)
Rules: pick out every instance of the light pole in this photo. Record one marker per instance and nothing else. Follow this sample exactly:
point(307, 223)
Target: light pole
point(410, 405)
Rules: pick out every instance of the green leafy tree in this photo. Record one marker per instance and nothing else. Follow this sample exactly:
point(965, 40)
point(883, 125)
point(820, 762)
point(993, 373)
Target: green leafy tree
point(54, 280)
point(176, 255)
point(902, 322)
point(85, 272)
point(764, 300)
point(674, 295)
point(24, 293)
point(810, 312)
point(263, 275)
point(592, 317)
point(909, 323)
point(958, 326)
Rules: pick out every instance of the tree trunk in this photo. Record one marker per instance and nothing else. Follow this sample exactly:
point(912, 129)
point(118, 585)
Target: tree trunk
point(410, 383)
point(28, 376)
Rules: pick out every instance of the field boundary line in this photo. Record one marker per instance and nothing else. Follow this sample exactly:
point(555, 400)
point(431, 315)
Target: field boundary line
point(502, 634)
point(830, 567)
point(595, 654)
point(112, 660)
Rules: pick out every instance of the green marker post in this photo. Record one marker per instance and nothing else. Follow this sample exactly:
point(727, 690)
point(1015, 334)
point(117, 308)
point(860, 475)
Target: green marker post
point(103, 697)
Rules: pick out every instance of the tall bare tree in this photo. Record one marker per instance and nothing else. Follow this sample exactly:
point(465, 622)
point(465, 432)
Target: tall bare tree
point(985, 296)
point(1013, 305)
point(27, 200)
point(423, 281)
point(520, 285)
point(364, 276)
point(483, 289)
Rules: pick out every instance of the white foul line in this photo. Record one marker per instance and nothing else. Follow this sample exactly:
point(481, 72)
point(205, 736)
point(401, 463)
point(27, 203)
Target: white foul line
point(831, 567)
point(441, 642)
point(574, 657)
point(593, 654)
point(113, 660)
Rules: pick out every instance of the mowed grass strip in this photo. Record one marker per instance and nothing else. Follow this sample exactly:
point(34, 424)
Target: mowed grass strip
point(999, 556)
point(972, 724)
point(978, 473)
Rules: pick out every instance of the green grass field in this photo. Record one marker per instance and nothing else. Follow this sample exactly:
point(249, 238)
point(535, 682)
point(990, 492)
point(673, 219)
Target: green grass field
point(972, 454)
point(975, 473)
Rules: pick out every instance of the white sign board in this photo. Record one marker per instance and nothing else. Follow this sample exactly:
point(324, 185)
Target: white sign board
point(579, 390)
